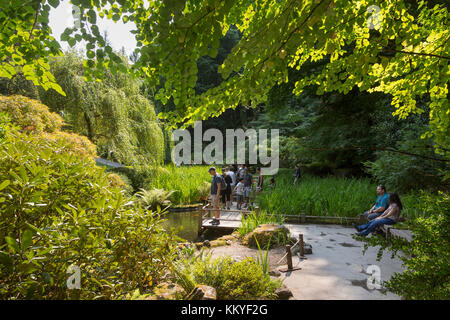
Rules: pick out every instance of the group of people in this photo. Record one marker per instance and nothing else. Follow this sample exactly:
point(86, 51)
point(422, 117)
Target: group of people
point(386, 210)
point(237, 180)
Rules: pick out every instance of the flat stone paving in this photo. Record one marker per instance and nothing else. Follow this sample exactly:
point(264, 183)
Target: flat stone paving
point(335, 270)
point(337, 267)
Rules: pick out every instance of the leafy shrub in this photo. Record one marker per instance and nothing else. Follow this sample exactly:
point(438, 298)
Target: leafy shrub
point(30, 114)
point(118, 181)
point(232, 279)
point(78, 144)
point(427, 256)
point(59, 209)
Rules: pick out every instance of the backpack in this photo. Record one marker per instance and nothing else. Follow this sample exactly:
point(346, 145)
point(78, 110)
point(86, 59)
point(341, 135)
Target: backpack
point(223, 185)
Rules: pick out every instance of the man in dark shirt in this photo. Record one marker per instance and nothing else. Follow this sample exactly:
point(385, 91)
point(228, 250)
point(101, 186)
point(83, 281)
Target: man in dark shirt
point(226, 193)
point(217, 184)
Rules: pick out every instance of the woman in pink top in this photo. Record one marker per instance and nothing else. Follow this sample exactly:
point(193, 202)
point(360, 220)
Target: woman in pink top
point(389, 216)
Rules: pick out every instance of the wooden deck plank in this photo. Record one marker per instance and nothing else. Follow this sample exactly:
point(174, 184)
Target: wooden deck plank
point(228, 219)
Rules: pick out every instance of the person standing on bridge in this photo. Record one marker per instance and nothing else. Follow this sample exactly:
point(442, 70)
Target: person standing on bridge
point(232, 175)
point(248, 183)
point(239, 189)
point(217, 184)
point(226, 193)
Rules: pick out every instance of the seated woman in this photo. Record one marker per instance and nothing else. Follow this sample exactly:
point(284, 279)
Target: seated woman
point(390, 216)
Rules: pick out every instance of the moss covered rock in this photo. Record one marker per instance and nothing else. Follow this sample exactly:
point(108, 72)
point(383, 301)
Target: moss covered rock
point(278, 234)
point(168, 291)
point(202, 292)
point(217, 243)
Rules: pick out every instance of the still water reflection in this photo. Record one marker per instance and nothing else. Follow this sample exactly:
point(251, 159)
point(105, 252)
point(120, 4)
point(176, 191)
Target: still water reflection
point(185, 222)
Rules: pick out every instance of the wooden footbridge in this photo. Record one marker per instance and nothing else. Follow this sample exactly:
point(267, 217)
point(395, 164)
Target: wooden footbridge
point(230, 219)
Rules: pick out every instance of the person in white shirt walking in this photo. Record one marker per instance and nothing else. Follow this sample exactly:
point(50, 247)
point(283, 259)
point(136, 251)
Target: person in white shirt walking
point(239, 189)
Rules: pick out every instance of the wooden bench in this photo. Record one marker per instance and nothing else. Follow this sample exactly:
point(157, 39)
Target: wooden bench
point(390, 232)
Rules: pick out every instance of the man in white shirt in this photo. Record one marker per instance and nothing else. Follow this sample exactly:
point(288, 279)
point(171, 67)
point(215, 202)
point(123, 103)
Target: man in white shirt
point(233, 177)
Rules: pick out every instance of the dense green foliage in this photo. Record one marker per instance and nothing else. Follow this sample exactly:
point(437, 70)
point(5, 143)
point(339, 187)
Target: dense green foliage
point(337, 134)
point(327, 196)
point(330, 74)
point(361, 47)
point(31, 116)
point(235, 280)
point(59, 209)
point(112, 113)
point(426, 258)
point(190, 183)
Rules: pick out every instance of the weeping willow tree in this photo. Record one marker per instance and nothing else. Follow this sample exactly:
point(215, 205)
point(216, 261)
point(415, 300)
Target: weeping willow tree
point(112, 113)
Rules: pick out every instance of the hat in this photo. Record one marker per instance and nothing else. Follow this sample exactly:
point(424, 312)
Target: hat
point(212, 168)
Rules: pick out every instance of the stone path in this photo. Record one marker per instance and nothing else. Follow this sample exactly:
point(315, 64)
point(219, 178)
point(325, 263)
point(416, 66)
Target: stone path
point(336, 269)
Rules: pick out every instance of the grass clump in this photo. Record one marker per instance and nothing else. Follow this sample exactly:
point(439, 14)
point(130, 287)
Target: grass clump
point(253, 220)
point(233, 280)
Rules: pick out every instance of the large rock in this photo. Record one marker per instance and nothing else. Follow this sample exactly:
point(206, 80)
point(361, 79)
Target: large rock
point(283, 293)
point(275, 232)
point(307, 249)
point(198, 245)
point(228, 237)
point(168, 291)
point(206, 243)
point(202, 292)
point(217, 243)
point(274, 273)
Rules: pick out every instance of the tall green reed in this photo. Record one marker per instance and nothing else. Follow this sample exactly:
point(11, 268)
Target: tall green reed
point(189, 183)
point(253, 220)
point(323, 196)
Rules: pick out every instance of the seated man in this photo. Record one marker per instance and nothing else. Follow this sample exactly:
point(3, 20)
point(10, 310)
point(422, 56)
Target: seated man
point(390, 216)
point(380, 205)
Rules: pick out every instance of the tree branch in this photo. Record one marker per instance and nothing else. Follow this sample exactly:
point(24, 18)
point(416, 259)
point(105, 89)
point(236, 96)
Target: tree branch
point(417, 53)
point(38, 4)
